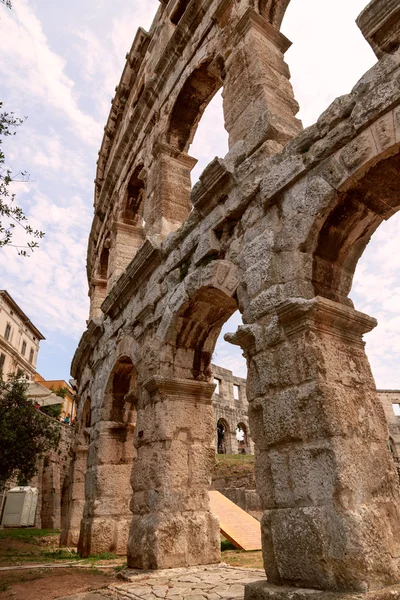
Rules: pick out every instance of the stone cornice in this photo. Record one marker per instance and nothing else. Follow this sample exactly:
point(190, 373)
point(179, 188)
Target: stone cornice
point(324, 316)
point(380, 25)
point(189, 389)
point(252, 20)
point(119, 227)
point(137, 272)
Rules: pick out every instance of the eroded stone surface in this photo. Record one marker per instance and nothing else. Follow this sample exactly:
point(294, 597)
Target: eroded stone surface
point(276, 231)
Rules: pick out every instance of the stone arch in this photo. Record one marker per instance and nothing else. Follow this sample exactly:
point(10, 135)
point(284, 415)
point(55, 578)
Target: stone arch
point(106, 518)
point(71, 520)
point(102, 269)
point(195, 94)
point(131, 212)
point(196, 312)
point(223, 443)
point(368, 194)
point(243, 446)
point(273, 10)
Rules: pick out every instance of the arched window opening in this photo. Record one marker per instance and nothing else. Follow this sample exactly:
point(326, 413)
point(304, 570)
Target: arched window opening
point(194, 97)
point(223, 441)
point(211, 137)
point(242, 438)
point(103, 262)
point(179, 11)
point(119, 405)
point(132, 208)
point(199, 324)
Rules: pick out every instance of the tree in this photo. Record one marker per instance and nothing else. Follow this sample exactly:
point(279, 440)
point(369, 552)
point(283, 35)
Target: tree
point(10, 214)
point(7, 3)
point(26, 434)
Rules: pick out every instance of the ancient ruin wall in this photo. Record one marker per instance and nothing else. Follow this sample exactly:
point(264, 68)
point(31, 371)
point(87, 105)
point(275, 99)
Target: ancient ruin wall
point(276, 230)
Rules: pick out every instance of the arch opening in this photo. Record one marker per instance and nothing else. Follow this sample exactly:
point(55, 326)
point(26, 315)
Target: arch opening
point(132, 206)
point(110, 460)
point(349, 226)
point(190, 104)
point(223, 437)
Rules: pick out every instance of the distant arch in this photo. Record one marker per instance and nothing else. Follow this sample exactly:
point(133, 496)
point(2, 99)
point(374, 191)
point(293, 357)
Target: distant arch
point(243, 444)
point(223, 441)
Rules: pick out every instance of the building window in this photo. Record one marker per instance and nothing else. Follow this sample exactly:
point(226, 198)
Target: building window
point(7, 331)
point(2, 360)
point(236, 392)
point(23, 349)
point(396, 409)
point(31, 354)
point(217, 385)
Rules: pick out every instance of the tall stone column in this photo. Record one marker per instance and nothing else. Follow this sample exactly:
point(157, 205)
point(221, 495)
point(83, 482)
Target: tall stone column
point(323, 468)
point(51, 493)
point(106, 518)
point(172, 525)
point(168, 190)
point(259, 103)
point(70, 534)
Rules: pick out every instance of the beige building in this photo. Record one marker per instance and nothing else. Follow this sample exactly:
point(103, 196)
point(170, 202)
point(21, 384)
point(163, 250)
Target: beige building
point(19, 339)
point(68, 402)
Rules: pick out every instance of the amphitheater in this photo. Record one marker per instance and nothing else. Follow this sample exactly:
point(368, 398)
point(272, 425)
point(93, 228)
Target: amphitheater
point(274, 230)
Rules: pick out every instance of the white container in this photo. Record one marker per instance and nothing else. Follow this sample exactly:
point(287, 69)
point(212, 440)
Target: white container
point(20, 507)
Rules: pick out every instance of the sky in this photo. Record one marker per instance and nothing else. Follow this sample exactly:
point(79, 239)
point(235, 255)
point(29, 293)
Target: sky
point(60, 64)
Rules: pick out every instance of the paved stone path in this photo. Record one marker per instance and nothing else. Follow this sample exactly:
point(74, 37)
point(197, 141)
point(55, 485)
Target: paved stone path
point(216, 582)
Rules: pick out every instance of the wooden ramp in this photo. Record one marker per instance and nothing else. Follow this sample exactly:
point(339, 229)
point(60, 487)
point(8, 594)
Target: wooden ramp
point(240, 528)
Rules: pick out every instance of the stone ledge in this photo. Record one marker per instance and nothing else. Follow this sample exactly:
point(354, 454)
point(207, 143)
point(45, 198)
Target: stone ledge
point(261, 590)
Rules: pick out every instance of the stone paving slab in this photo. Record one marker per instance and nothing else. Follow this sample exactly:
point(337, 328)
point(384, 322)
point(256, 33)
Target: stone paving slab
point(215, 582)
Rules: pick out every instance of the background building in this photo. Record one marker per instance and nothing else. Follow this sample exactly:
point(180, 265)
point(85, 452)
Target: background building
point(19, 339)
point(67, 401)
point(230, 409)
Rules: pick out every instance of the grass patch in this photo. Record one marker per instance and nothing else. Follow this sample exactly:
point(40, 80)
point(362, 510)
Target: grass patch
point(226, 544)
point(27, 534)
point(240, 558)
point(61, 554)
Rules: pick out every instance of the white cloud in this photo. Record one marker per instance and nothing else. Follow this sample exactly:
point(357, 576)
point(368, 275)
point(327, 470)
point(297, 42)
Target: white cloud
point(30, 67)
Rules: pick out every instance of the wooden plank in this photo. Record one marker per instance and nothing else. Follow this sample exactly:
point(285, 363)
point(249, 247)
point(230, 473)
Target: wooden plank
point(240, 528)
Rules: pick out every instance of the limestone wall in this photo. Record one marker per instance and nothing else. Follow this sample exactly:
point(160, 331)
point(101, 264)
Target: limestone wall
point(275, 229)
point(53, 483)
point(233, 411)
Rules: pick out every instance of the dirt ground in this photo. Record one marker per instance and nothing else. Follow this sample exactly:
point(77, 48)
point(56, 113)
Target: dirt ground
point(34, 546)
point(29, 547)
point(48, 584)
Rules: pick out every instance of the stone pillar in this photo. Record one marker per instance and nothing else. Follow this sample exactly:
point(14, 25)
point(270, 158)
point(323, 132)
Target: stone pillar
point(259, 103)
point(70, 534)
point(168, 193)
point(51, 493)
point(172, 525)
point(106, 518)
point(98, 292)
point(323, 468)
point(126, 241)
